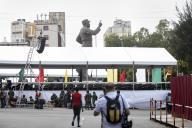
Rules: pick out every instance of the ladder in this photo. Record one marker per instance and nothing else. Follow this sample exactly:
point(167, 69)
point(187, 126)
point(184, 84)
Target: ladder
point(27, 68)
point(26, 72)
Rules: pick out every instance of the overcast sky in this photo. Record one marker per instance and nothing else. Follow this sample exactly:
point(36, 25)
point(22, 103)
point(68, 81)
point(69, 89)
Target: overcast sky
point(141, 13)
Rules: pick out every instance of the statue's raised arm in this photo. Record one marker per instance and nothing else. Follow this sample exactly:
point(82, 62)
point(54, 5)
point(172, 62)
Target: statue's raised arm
point(85, 35)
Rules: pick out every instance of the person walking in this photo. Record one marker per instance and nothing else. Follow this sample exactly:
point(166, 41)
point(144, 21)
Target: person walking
point(76, 105)
point(111, 117)
point(3, 98)
point(88, 98)
point(94, 98)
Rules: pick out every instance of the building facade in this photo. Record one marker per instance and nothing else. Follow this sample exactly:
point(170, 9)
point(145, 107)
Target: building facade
point(19, 31)
point(52, 28)
point(59, 18)
point(50, 31)
point(120, 28)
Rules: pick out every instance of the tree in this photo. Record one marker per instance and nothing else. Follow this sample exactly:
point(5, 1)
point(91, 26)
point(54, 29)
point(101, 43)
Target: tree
point(141, 37)
point(182, 41)
point(127, 41)
point(112, 40)
point(161, 37)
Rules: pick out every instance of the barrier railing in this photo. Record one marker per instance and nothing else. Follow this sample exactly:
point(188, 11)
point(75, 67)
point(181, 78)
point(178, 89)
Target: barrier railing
point(163, 114)
point(92, 85)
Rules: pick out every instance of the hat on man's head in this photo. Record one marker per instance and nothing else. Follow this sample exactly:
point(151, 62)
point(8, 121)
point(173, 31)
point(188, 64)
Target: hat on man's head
point(85, 21)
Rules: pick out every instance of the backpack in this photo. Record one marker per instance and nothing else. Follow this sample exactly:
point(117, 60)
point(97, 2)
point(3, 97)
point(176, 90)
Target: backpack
point(113, 110)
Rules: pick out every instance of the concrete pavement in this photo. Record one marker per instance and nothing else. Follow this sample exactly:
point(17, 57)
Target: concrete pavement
point(61, 118)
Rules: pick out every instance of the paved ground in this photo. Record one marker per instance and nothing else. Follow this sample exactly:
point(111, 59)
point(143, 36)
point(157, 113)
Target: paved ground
point(170, 120)
point(61, 118)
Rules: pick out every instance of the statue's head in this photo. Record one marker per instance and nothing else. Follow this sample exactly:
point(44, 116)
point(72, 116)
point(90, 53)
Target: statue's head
point(86, 23)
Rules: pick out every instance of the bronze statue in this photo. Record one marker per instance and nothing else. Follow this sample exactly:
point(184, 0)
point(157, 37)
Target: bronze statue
point(85, 35)
point(85, 39)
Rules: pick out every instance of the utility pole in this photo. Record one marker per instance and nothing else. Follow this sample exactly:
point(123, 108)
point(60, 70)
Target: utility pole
point(45, 16)
point(96, 47)
point(22, 37)
point(41, 16)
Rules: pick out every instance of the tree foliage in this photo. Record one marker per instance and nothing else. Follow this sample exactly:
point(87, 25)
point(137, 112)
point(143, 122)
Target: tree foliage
point(112, 40)
point(142, 38)
point(182, 38)
point(178, 41)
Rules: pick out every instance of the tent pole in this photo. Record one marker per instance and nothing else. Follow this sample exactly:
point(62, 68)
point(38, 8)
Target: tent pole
point(148, 74)
point(177, 69)
point(64, 82)
point(96, 74)
point(72, 74)
point(86, 70)
point(113, 75)
point(133, 75)
point(39, 76)
point(164, 73)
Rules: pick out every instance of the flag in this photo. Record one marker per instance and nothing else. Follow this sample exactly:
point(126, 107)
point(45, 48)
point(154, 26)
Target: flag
point(21, 74)
point(66, 76)
point(41, 74)
point(111, 75)
point(156, 75)
point(40, 78)
point(122, 77)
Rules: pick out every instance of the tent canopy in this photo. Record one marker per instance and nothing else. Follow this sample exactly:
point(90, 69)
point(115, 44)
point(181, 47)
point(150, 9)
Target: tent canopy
point(66, 57)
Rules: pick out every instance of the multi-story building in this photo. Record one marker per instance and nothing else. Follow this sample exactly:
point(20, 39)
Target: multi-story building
point(53, 29)
point(120, 28)
point(59, 18)
point(19, 30)
point(50, 31)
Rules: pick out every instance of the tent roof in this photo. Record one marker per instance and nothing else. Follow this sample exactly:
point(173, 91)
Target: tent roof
point(151, 56)
point(67, 57)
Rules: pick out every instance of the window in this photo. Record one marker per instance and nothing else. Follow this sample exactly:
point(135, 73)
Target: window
point(45, 28)
point(15, 23)
point(46, 36)
point(17, 32)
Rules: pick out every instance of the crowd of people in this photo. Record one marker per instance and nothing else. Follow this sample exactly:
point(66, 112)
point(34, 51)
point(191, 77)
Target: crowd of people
point(9, 99)
point(73, 99)
point(65, 99)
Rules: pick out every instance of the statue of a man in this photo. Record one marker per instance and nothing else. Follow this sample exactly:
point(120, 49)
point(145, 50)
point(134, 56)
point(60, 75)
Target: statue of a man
point(85, 39)
point(85, 34)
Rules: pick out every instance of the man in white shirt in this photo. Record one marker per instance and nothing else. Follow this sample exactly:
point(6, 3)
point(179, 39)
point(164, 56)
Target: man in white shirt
point(101, 106)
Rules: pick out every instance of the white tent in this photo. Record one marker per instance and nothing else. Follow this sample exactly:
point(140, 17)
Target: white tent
point(151, 56)
point(65, 57)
